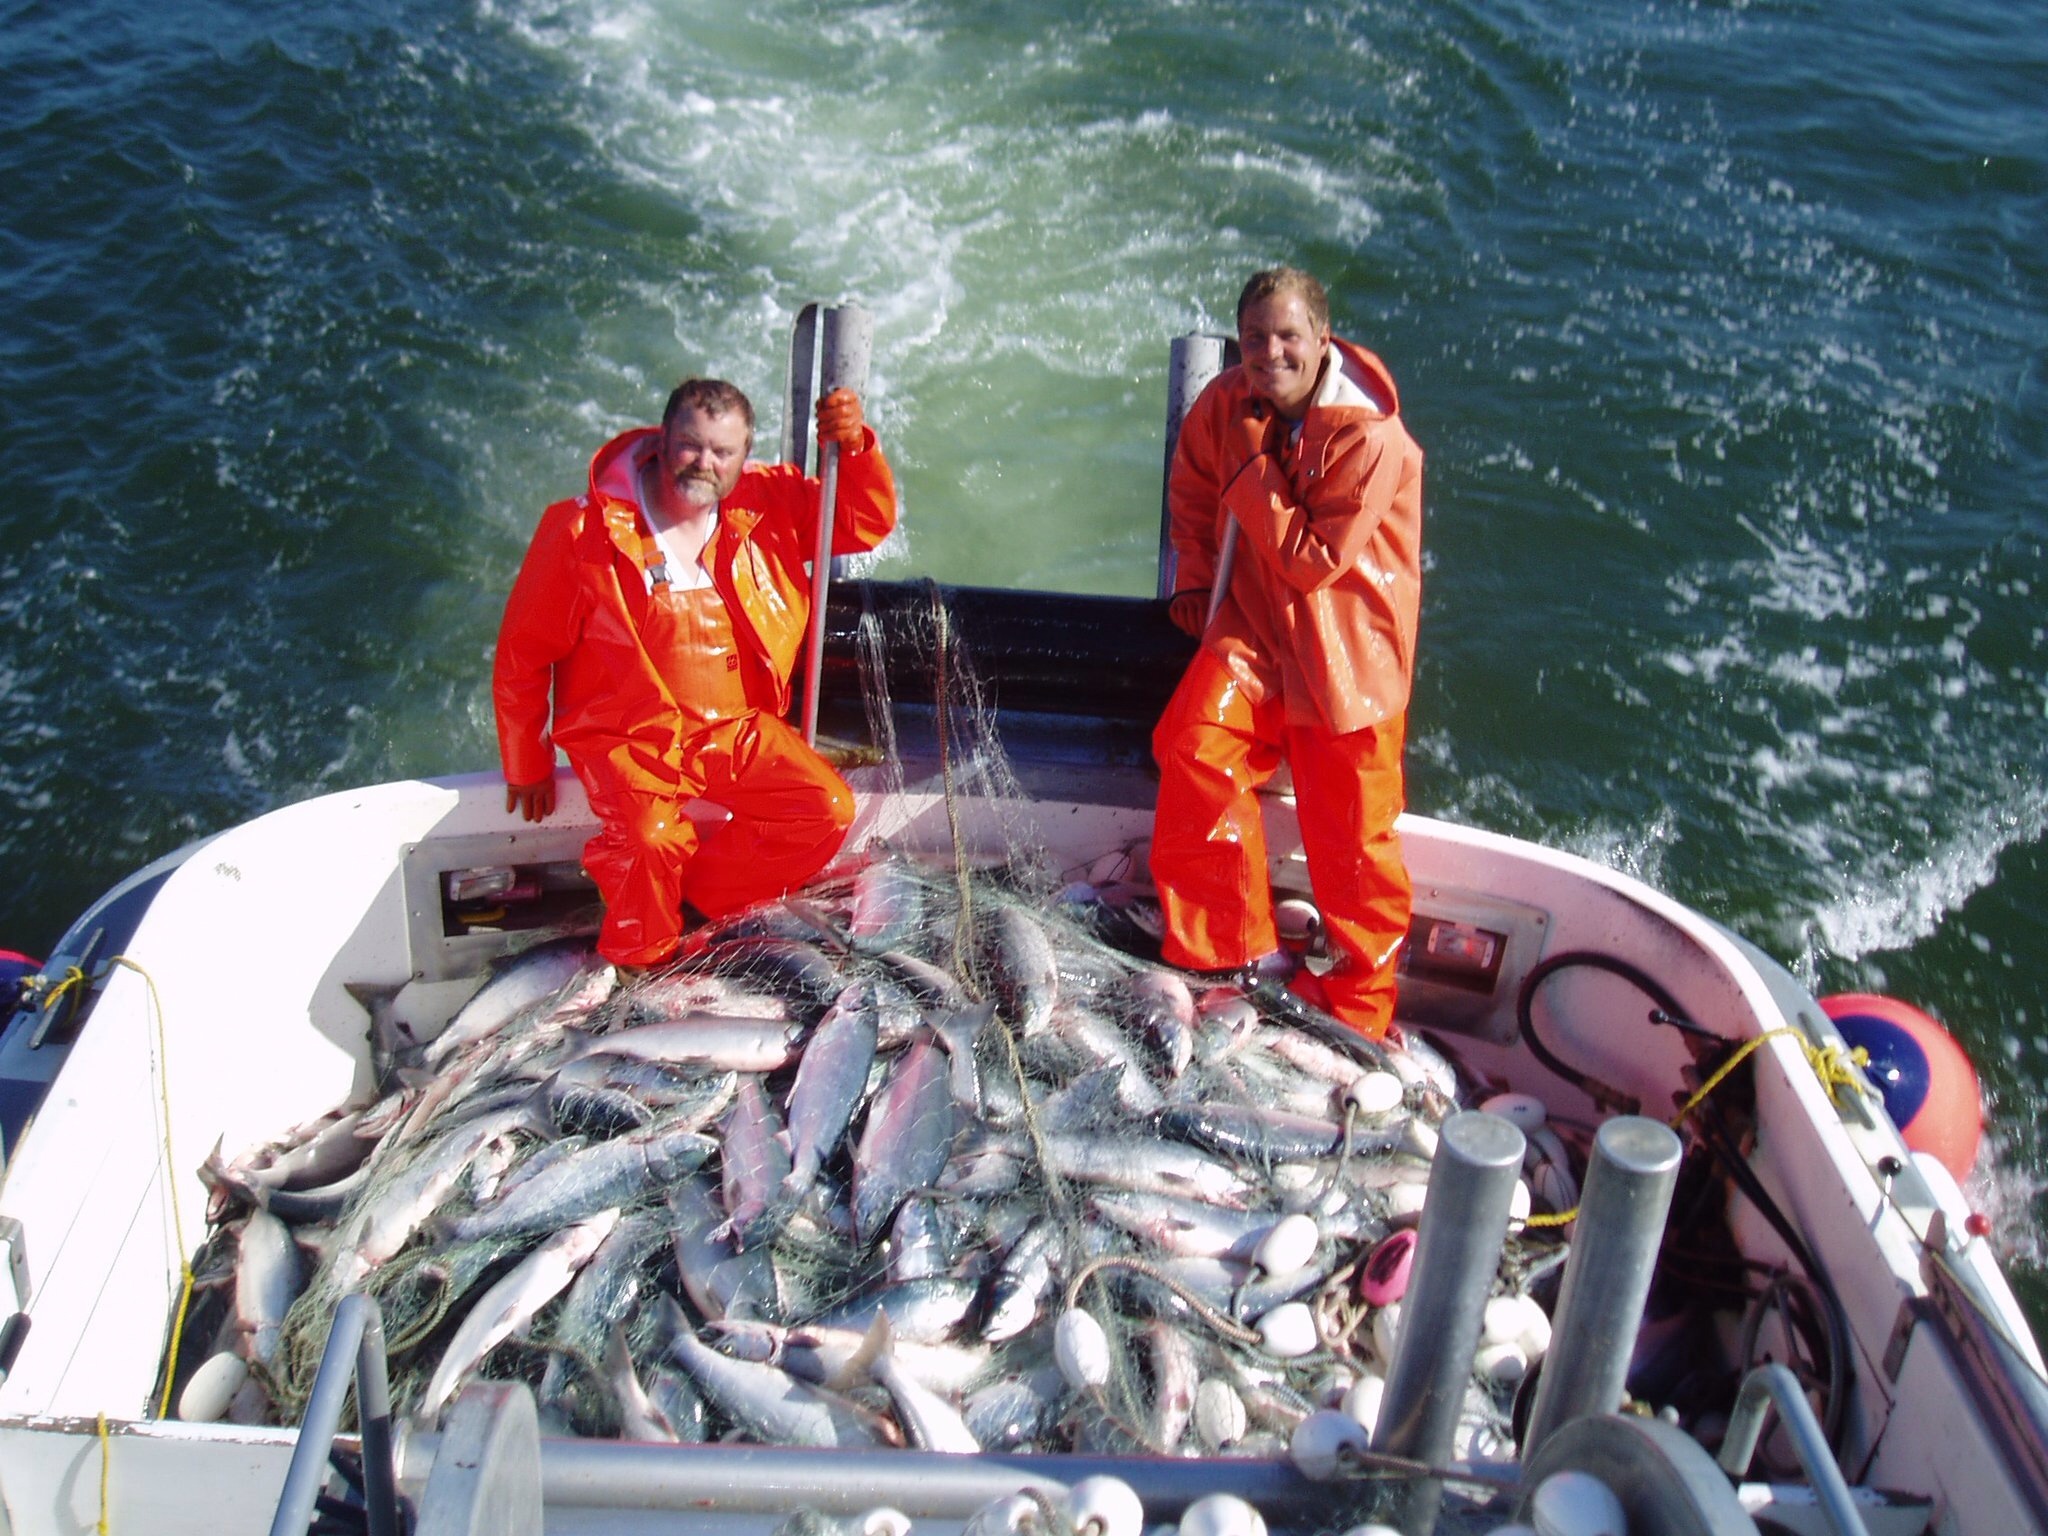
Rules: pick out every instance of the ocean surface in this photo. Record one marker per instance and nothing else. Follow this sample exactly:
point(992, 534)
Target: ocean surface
point(1724, 327)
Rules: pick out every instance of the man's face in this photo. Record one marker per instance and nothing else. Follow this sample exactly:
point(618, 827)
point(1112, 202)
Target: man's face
point(1283, 351)
point(703, 454)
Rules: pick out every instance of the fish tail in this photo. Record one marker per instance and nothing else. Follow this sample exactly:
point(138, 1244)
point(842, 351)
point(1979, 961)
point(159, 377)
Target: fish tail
point(859, 1366)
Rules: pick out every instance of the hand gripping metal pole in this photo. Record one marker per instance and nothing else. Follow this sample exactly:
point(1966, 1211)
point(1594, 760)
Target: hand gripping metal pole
point(1633, 1171)
point(849, 334)
point(355, 1349)
point(1457, 1251)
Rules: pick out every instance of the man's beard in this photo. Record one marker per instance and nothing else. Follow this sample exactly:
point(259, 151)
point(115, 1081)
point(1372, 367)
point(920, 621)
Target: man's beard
point(699, 491)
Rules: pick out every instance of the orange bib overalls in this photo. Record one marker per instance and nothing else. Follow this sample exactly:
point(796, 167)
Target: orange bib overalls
point(790, 810)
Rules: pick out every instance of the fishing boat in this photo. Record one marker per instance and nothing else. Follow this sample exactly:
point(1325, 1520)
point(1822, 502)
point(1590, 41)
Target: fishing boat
point(233, 989)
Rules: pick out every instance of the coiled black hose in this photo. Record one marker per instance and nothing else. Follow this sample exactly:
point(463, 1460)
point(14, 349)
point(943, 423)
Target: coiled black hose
point(1714, 1135)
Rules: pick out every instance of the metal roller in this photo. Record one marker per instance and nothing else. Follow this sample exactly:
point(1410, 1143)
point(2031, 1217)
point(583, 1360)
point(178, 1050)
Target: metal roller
point(1457, 1250)
point(1627, 1196)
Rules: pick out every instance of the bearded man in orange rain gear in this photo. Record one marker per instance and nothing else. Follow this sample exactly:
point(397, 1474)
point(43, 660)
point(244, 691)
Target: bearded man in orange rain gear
point(1306, 658)
point(666, 608)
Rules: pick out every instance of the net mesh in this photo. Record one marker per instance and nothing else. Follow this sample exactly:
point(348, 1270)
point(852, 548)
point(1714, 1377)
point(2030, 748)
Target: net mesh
point(1076, 1162)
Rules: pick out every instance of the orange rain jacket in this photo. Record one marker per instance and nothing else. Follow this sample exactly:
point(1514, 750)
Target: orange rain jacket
point(573, 617)
point(1326, 591)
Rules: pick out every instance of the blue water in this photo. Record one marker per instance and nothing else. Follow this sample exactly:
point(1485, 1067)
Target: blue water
point(1724, 326)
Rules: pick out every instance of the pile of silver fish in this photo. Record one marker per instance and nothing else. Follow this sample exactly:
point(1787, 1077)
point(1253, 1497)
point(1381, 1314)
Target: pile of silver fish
point(908, 1160)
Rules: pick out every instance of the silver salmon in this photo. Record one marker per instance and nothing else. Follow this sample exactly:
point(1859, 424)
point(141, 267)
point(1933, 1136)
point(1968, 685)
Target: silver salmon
point(507, 1307)
point(772, 1404)
point(829, 1082)
point(908, 1138)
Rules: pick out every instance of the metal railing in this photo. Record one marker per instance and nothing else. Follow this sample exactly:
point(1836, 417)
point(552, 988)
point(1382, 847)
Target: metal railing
point(1775, 1385)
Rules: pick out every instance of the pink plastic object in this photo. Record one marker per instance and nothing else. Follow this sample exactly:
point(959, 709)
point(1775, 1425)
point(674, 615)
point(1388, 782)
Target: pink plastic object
point(1385, 1275)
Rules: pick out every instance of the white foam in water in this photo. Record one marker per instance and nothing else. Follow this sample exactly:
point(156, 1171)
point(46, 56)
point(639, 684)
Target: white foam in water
point(1802, 576)
point(1026, 245)
point(1837, 716)
point(1892, 904)
point(1708, 661)
point(1796, 761)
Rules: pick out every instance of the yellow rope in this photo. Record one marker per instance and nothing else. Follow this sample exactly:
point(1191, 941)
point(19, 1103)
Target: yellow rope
point(46, 995)
point(106, 1464)
point(71, 981)
point(1832, 1068)
point(43, 994)
point(163, 1407)
point(1829, 1064)
point(163, 1083)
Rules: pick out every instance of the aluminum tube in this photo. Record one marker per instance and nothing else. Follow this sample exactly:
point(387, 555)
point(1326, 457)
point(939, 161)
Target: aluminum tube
point(355, 1345)
point(849, 333)
point(799, 374)
point(1226, 564)
point(821, 585)
point(1457, 1251)
point(373, 1418)
point(1774, 1384)
point(1627, 1196)
point(1192, 362)
point(755, 1479)
point(845, 345)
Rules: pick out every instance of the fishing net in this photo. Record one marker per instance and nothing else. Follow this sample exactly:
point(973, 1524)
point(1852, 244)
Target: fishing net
point(757, 1131)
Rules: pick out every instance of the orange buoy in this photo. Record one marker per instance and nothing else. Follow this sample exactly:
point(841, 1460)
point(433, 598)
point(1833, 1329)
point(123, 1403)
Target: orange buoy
point(1927, 1083)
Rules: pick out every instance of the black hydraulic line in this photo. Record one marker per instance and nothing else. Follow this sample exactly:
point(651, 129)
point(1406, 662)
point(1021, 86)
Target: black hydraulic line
point(1714, 1135)
point(1720, 1141)
point(1525, 1021)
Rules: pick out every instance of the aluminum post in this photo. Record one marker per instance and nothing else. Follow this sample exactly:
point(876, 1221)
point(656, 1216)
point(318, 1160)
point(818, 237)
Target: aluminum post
point(1629, 1182)
point(355, 1351)
point(799, 376)
point(1457, 1251)
point(1193, 361)
point(849, 333)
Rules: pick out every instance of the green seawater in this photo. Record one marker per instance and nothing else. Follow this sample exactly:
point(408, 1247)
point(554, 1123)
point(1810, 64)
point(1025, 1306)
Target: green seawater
point(1724, 327)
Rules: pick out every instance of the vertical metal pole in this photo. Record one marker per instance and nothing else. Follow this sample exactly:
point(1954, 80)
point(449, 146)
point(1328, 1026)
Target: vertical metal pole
point(849, 331)
point(1457, 1251)
point(1226, 562)
point(1193, 361)
point(821, 584)
point(355, 1346)
point(373, 1415)
point(1629, 1182)
point(797, 377)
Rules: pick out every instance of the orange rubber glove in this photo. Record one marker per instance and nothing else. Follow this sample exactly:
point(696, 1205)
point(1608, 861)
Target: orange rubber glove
point(840, 421)
point(536, 802)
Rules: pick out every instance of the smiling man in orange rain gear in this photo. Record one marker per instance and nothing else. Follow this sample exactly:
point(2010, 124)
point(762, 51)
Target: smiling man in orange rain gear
point(666, 608)
point(1307, 658)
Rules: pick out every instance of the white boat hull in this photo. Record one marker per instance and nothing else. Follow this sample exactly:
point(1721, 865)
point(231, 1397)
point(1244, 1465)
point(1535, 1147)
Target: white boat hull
point(230, 1017)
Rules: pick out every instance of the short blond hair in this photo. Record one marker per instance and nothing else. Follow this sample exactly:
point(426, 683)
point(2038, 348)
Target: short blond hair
point(1277, 280)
